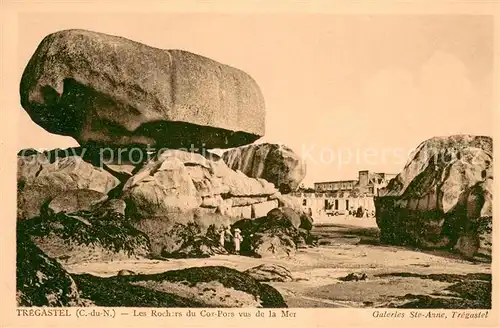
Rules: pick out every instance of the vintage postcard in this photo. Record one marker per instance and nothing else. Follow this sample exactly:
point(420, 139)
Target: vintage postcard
point(322, 164)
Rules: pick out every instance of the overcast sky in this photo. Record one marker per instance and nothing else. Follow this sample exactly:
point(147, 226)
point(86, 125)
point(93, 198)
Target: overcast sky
point(369, 88)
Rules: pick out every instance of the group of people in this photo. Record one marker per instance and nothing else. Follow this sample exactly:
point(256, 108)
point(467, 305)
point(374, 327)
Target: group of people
point(359, 213)
point(230, 240)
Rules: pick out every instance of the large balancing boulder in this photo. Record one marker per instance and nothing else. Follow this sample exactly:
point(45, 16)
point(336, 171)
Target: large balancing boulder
point(107, 90)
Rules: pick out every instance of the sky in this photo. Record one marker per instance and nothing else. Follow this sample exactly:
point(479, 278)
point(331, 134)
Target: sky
point(345, 92)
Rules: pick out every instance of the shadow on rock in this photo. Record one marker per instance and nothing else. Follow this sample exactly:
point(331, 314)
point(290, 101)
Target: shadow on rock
point(277, 234)
point(471, 291)
point(84, 236)
point(212, 286)
point(40, 280)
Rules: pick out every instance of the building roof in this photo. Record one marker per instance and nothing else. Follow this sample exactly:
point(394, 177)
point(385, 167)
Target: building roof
point(337, 181)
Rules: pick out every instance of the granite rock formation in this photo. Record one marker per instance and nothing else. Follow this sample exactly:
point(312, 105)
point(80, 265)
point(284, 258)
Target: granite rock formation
point(174, 199)
point(210, 286)
point(270, 272)
point(86, 236)
point(442, 198)
point(113, 92)
point(273, 235)
point(275, 163)
point(166, 196)
point(41, 280)
point(40, 178)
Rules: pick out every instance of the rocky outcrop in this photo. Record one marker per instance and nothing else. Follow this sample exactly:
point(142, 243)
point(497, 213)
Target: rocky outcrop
point(442, 198)
point(285, 213)
point(459, 291)
point(87, 237)
point(274, 163)
point(178, 188)
point(212, 286)
point(178, 182)
point(194, 239)
point(75, 201)
point(41, 178)
point(198, 247)
point(270, 272)
point(167, 194)
point(274, 235)
point(93, 87)
point(41, 280)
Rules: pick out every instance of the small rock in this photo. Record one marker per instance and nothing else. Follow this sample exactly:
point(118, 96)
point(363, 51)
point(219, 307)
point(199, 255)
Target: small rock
point(125, 273)
point(355, 276)
point(270, 272)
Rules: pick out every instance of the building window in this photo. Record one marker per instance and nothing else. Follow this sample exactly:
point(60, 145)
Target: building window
point(304, 202)
point(347, 204)
point(336, 204)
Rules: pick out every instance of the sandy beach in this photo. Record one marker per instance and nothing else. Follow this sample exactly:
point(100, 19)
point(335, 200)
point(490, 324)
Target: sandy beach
point(346, 245)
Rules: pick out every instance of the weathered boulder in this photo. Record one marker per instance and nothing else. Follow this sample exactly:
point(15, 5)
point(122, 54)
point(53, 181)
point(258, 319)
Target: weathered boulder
point(76, 200)
point(209, 286)
point(198, 247)
point(162, 189)
point(306, 222)
point(477, 235)
point(41, 280)
point(273, 244)
point(92, 87)
point(285, 213)
point(177, 189)
point(442, 197)
point(176, 181)
point(112, 208)
point(84, 237)
point(41, 178)
point(183, 233)
point(273, 235)
point(275, 163)
point(270, 272)
point(295, 203)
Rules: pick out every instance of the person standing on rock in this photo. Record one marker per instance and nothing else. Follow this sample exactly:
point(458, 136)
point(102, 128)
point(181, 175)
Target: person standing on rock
point(227, 238)
point(237, 240)
point(222, 233)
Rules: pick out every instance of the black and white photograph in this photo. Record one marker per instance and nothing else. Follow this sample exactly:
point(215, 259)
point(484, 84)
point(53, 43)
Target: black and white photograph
point(170, 160)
